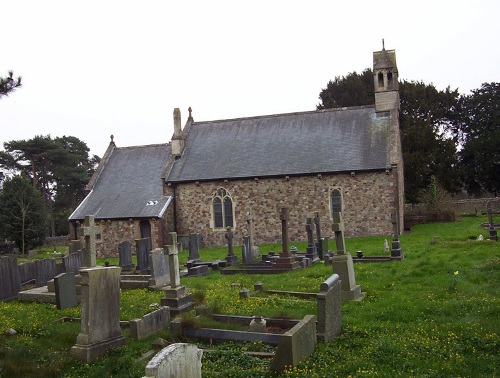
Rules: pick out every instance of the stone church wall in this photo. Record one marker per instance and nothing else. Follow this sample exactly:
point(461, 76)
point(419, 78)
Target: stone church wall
point(368, 199)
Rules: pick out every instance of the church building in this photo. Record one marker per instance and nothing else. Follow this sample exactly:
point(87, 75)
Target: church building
point(217, 174)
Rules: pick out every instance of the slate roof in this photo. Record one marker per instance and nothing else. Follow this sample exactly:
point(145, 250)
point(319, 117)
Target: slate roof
point(323, 141)
point(131, 178)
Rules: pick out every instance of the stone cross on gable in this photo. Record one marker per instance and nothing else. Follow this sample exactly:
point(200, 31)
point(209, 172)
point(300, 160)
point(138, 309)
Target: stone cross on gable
point(229, 236)
point(285, 217)
point(89, 231)
point(309, 230)
point(250, 227)
point(338, 229)
point(317, 224)
point(173, 261)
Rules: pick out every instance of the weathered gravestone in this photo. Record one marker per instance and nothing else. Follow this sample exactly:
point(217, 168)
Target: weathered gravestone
point(100, 322)
point(194, 247)
point(254, 250)
point(322, 242)
point(177, 360)
point(311, 252)
point(65, 289)
point(73, 262)
point(142, 247)
point(396, 251)
point(125, 254)
point(89, 231)
point(176, 296)
point(45, 270)
point(74, 246)
point(10, 280)
point(493, 232)
point(342, 262)
point(246, 250)
point(285, 261)
point(27, 272)
point(329, 315)
point(150, 323)
point(160, 272)
point(231, 257)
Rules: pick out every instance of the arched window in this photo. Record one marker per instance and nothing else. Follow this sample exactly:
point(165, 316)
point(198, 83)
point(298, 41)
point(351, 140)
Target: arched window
point(222, 209)
point(336, 201)
point(389, 80)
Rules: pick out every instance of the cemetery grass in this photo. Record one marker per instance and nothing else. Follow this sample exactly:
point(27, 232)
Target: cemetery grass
point(433, 315)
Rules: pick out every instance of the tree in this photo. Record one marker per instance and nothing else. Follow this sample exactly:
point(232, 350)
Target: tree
point(426, 118)
point(22, 213)
point(9, 84)
point(479, 133)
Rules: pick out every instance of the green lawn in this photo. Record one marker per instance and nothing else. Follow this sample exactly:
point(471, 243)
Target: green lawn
point(435, 314)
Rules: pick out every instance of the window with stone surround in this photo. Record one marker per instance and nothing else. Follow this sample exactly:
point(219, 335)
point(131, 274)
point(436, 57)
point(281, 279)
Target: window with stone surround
point(335, 201)
point(222, 209)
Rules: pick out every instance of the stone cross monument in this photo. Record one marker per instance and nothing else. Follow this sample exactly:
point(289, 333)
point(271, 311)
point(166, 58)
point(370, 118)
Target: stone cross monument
point(89, 231)
point(230, 258)
point(286, 260)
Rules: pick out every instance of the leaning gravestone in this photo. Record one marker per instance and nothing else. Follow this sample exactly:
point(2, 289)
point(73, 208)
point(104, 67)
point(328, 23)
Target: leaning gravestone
point(142, 251)
point(177, 360)
point(100, 322)
point(45, 270)
point(125, 253)
point(65, 289)
point(10, 280)
point(329, 315)
point(160, 273)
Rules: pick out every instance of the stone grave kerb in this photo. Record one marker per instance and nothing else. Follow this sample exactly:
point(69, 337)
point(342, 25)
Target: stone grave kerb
point(89, 231)
point(338, 229)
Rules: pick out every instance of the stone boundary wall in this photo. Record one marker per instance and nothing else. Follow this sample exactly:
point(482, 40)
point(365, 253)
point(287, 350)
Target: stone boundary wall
point(368, 200)
point(470, 205)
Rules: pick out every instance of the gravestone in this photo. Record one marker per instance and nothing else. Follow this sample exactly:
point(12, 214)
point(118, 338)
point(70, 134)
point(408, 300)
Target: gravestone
point(286, 260)
point(100, 322)
point(27, 272)
point(311, 252)
point(251, 233)
point(72, 262)
point(396, 252)
point(178, 360)
point(160, 272)
point(342, 262)
point(125, 254)
point(246, 250)
point(90, 231)
point(142, 251)
point(329, 315)
point(231, 258)
point(320, 244)
point(176, 296)
point(194, 247)
point(45, 270)
point(10, 280)
point(65, 290)
point(493, 232)
point(74, 246)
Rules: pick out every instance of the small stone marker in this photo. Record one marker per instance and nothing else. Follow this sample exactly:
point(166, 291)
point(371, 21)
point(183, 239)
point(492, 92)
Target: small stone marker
point(493, 232)
point(178, 360)
point(100, 323)
point(65, 290)
point(230, 258)
point(386, 245)
point(90, 231)
point(125, 254)
point(258, 324)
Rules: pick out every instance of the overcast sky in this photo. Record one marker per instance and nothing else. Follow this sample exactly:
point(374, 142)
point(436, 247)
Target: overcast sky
point(95, 68)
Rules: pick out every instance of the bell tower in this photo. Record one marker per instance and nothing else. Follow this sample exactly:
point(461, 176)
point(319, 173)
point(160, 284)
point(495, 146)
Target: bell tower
point(385, 77)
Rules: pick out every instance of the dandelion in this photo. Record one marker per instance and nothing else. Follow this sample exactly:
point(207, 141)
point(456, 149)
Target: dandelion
point(455, 273)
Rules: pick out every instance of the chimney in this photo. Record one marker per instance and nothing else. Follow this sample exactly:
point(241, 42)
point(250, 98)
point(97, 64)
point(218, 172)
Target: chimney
point(177, 138)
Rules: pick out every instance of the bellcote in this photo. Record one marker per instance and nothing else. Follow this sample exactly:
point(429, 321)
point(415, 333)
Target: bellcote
point(385, 80)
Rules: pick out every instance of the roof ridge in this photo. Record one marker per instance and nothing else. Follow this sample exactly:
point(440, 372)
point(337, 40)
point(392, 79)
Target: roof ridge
point(144, 145)
point(287, 114)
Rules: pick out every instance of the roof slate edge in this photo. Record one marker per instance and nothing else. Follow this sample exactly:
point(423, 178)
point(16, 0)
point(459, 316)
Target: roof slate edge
point(80, 205)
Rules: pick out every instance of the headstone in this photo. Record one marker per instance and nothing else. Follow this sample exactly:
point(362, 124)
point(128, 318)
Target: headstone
point(125, 254)
point(311, 252)
point(45, 270)
point(286, 260)
point(74, 246)
point(194, 247)
point(246, 251)
point(10, 280)
point(329, 315)
point(142, 251)
point(231, 258)
point(160, 272)
point(250, 228)
point(396, 252)
point(150, 323)
point(319, 242)
point(90, 231)
point(65, 289)
point(493, 232)
point(176, 296)
point(342, 262)
point(27, 272)
point(73, 262)
point(176, 360)
point(100, 322)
